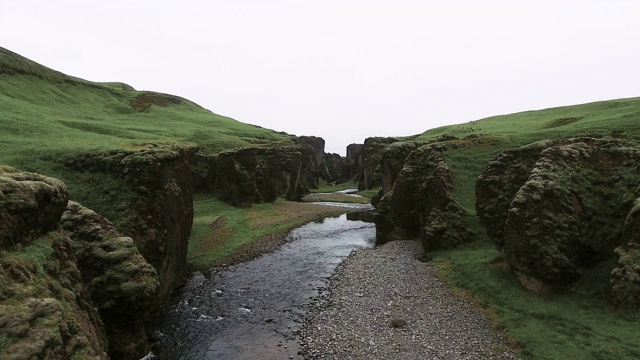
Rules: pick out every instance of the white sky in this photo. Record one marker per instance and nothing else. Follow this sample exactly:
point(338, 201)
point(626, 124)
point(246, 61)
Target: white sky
point(343, 70)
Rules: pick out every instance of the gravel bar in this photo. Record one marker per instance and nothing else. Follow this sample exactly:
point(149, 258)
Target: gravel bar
point(383, 303)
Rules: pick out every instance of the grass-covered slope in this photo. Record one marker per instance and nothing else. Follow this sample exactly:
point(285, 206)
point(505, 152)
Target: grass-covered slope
point(579, 324)
point(45, 114)
point(605, 118)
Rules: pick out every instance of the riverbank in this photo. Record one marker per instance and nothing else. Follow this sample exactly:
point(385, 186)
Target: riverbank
point(240, 235)
point(384, 303)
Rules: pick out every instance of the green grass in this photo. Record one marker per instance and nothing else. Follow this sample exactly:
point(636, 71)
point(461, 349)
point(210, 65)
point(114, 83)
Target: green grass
point(209, 247)
point(580, 324)
point(569, 326)
point(370, 192)
point(325, 187)
point(45, 114)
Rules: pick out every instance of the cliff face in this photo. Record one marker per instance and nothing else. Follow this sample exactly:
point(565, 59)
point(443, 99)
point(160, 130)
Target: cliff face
point(354, 160)
point(122, 285)
point(558, 208)
point(316, 144)
point(259, 175)
point(45, 311)
point(333, 169)
point(392, 161)
point(420, 202)
point(371, 154)
point(157, 210)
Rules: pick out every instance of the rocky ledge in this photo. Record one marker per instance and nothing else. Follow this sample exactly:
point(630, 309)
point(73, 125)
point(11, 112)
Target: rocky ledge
point(385, 304)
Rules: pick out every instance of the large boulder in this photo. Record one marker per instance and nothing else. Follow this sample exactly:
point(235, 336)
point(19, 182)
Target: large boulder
point(45, 311)
point(255, 175)
point(122, 285)
point(567, 213)
point(152, 193)
point(421, 203)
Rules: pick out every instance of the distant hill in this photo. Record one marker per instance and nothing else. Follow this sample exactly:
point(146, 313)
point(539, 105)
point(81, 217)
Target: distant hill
point(45, 114)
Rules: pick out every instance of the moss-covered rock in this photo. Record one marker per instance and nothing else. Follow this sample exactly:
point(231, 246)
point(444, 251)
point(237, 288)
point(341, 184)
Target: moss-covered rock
point(625, 277)
point(392, 161)
point(155, 202)
point(255, 175)
point(122, 285)
point(498, 184)
point(30, 205)
point(372, 150)
point(333, 169)
point(45, 311)
point(567, 215)
point(421, 202)
point(353, 161)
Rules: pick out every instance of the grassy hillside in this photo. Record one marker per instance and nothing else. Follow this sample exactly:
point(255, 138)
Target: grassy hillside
point(606, 118)
point(44, 114)
point(580, 324)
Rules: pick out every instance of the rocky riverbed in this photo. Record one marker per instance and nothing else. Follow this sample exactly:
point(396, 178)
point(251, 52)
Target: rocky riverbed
point(383, 303)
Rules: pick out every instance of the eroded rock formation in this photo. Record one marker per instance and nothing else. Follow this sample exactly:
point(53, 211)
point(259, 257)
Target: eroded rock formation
point(122, 285)
point(45, 311)
point(333, 169)
point(420, 202)
point(354, 160)
point(371, 154)
point(154, 203)
point(558, 208)
point(255, 175)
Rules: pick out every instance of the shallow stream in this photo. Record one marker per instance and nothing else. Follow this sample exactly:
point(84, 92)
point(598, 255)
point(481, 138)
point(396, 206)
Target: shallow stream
point(254, 310)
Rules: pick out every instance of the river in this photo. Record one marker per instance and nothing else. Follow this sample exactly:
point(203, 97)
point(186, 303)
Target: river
point(254, 310)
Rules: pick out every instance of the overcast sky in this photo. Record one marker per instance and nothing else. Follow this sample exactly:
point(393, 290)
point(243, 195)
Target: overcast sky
point(343, 70)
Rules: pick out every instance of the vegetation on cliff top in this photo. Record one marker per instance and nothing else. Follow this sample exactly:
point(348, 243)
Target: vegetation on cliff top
point(46, 115)
point(581, 323)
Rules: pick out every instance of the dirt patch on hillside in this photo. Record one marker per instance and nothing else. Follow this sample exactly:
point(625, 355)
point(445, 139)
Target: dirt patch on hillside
point(562, 122)
point(143, 101)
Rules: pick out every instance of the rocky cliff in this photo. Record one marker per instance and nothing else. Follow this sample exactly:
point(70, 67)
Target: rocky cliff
point(354, 160)
point(371, 154)
point(557, 208)
point(254, 175)
point(122, 285)
point(45, 311)
point(420, 202)
point(151, 191)
point(333, 169)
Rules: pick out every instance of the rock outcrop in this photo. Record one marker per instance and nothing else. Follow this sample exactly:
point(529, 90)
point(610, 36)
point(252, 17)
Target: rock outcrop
point(371, 155)
point(45, 311)
point(121, 284)
point(333, 169)
point(558, 208)
point(154, 203)
point(392, 161)
point(312, 175)
point(255, 175)
point(420, 202)
point(204, 169)
point(353, 161)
